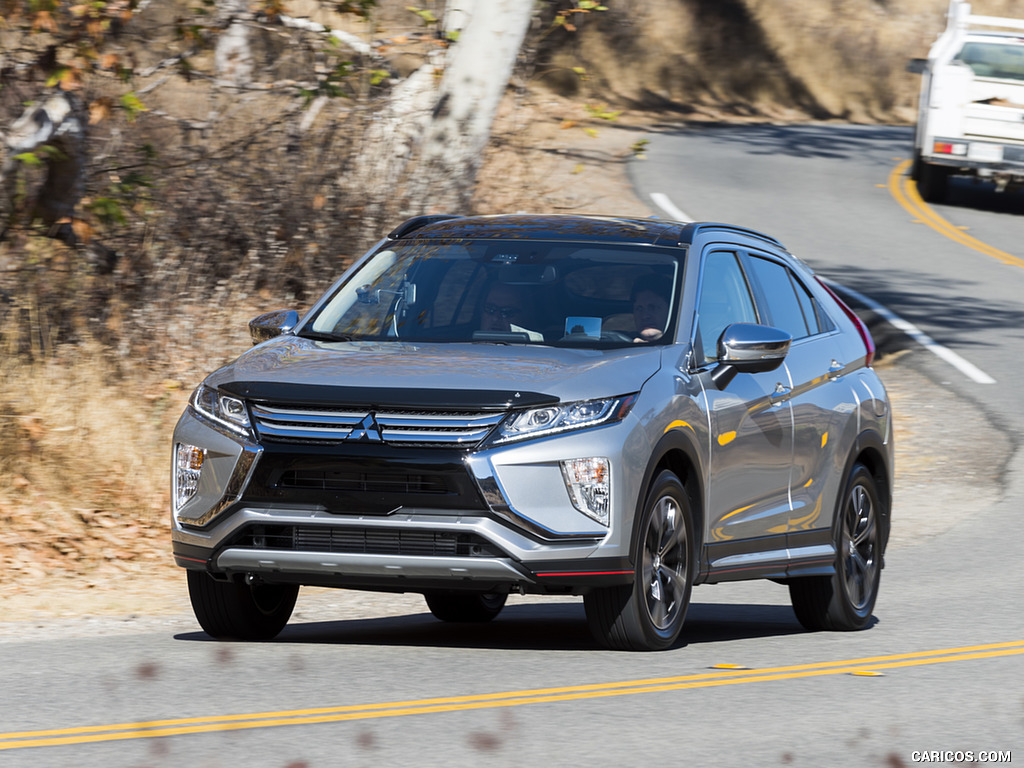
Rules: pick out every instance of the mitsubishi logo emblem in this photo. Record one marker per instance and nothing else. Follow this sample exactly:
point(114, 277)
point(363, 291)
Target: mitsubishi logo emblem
point(366, 430)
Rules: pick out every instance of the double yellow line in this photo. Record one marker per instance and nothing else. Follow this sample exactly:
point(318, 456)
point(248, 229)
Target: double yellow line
point(871, 666)
point(904, 190)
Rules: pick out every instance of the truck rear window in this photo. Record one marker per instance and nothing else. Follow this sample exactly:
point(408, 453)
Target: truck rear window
point(999, 60)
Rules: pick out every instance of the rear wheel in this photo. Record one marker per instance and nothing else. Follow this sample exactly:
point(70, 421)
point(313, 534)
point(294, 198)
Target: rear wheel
point(466, 607)
point(648, 615)
point(234, 610)
point(844, 601)
point(932, 181)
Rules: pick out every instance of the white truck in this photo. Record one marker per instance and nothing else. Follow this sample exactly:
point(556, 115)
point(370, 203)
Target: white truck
point(971, 110)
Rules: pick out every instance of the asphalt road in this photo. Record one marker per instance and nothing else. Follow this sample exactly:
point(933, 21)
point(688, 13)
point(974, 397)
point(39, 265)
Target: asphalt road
point(939, 670)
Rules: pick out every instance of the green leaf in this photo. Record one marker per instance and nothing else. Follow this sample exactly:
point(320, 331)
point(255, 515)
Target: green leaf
point(29, 158)
point(602, 113)
point(56, 77)
point(108, 210)
point(425, 14)
point(639, 148)
point(132, 105)
point(378, 76)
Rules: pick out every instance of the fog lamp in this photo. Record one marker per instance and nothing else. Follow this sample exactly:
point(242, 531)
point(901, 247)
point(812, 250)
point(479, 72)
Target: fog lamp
point(188, 465)
point(589, 484)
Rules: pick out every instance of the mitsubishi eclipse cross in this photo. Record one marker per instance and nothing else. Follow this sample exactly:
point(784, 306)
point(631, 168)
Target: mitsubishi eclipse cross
point(614, 408)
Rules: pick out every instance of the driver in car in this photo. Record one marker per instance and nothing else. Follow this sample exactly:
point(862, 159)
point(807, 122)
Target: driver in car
point(650, 307)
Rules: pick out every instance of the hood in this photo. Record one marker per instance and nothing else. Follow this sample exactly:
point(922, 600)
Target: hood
point(299, 370)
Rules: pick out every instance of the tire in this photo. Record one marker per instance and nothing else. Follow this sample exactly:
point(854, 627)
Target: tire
point(234, 610)
point(932, 181)
point(465, 607)
point(844, 601)
point(648, 615)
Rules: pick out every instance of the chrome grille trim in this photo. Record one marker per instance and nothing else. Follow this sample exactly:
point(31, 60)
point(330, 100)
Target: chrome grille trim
point(329, 425)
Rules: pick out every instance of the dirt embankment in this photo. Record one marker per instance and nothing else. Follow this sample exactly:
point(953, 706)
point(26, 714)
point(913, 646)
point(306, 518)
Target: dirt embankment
point(819, 59)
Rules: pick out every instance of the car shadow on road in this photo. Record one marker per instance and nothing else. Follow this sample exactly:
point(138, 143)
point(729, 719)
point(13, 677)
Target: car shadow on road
point(556, 627)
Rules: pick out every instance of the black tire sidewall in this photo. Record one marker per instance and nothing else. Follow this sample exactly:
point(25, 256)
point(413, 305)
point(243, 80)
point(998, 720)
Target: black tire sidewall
point(842, 613)
point(666, 483)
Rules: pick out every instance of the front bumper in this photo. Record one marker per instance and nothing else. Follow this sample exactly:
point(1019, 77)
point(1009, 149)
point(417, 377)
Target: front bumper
point(979, 156)
point(494, 519)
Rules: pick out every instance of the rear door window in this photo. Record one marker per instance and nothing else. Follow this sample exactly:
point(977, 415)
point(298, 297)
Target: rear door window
point(785, 302)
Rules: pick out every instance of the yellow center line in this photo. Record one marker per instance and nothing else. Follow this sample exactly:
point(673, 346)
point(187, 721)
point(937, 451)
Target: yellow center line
point(194, 725)
point(904, 191)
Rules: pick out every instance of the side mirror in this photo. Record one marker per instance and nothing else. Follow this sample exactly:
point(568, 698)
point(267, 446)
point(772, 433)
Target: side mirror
point(916, 66)
point(749, 348)
point(272, 324)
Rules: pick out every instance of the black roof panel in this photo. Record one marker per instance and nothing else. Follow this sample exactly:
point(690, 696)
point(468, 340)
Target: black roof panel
point(603, 229)
point(553, 227)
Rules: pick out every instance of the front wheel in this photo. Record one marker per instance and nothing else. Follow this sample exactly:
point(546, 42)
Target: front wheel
point(648, 615)
point(844, 600)
point(234, 610)
point(466, 607)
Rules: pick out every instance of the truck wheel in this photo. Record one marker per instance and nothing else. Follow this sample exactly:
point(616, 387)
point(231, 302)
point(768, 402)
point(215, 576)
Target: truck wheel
point(234, 610)
point(844, 600)
point(465, 607)
point(648, 615)
point(932, 181)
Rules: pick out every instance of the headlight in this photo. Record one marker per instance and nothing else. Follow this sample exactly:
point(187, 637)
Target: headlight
point(223, 409)
point(553, 419)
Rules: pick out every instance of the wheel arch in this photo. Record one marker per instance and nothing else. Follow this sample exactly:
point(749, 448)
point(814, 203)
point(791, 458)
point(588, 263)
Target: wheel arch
point(677, 452)
point(870, 450)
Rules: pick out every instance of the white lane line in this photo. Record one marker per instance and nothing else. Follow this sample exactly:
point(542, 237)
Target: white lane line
point(968, 369)
point(661, 200)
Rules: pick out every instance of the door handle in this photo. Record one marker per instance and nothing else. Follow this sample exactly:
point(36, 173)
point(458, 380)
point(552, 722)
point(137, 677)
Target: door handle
point(835, 370)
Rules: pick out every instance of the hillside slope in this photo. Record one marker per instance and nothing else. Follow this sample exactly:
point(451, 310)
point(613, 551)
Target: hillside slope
point(820, 59)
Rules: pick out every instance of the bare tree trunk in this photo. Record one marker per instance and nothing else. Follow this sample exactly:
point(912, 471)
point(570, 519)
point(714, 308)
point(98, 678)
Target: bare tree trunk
point(58, 122)
point(233, 56)
point(478, 70)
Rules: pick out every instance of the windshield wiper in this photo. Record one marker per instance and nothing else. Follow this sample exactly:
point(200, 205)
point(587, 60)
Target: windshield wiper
point(323, 336)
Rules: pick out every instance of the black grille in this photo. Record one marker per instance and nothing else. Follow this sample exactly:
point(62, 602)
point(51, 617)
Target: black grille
point(367, 541)
point(366, 482)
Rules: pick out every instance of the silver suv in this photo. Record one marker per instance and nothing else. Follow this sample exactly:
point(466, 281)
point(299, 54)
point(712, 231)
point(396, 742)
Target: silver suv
point(564, 405)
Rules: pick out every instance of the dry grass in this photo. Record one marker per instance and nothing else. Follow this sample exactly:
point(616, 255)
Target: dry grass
point(83, 461)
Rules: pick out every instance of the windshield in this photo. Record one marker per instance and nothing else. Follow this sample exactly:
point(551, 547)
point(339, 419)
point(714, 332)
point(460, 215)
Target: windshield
point(515, 292)
point(998, 60)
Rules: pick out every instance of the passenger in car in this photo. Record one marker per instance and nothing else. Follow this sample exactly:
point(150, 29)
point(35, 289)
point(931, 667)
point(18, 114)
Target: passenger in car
point(503, 309)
